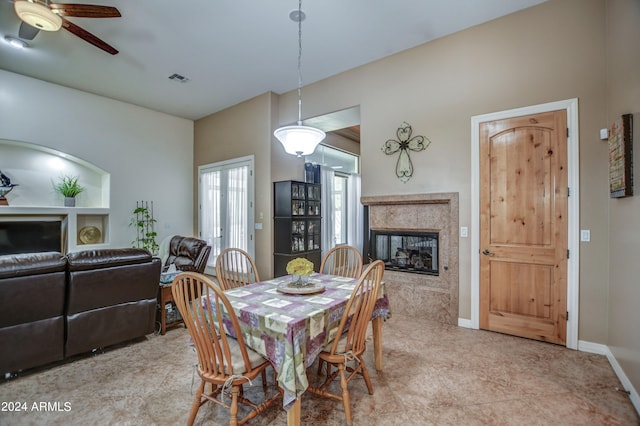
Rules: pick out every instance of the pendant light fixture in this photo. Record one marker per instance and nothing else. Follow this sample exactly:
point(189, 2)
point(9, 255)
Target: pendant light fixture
point(299, 140)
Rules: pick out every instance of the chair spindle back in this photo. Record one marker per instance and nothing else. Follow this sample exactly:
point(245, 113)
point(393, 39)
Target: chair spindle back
point(344, 261)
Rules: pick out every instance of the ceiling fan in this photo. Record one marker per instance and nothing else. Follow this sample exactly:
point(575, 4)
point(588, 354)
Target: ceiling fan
point(37, 16)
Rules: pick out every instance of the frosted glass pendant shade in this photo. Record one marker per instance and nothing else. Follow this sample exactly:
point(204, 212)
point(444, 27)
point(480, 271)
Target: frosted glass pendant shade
point(299, 140)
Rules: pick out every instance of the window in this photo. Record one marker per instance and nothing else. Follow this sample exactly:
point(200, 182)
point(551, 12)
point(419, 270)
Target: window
point(340, 213)
point(338, 160)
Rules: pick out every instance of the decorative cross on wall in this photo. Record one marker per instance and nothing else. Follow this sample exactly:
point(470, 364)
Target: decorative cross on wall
point(404, 167)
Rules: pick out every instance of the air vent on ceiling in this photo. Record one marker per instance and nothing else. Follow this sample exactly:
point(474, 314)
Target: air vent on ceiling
point(179, 78)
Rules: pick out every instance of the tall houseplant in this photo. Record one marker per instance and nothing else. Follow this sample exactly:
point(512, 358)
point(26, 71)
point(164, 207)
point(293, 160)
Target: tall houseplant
point(144, 223)
point(69, 188)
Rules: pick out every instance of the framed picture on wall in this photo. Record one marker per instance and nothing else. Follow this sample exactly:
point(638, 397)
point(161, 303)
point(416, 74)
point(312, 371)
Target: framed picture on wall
point(621, 157)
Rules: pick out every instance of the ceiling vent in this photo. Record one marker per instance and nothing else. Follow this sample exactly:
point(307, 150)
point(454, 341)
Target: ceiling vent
point(179, 78)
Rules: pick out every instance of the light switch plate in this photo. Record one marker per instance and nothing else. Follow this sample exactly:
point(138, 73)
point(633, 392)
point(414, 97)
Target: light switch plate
point(585, 235)
point(464, 232)
point(604, 134)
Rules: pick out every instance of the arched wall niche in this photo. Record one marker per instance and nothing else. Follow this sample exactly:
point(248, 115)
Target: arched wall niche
point(35, 169)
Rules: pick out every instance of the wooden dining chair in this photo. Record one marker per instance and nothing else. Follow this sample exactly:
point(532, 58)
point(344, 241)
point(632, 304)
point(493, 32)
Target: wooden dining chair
point(349, 344)
point(344, 261)
point(224, 362)
point(235, 268)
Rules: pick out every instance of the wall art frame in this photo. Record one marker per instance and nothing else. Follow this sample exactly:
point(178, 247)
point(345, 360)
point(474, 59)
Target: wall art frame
point(621, 157)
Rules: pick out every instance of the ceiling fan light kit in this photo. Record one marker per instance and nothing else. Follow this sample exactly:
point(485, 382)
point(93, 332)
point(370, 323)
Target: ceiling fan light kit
point(16, 42)
point(37, 15)
point(299, 140)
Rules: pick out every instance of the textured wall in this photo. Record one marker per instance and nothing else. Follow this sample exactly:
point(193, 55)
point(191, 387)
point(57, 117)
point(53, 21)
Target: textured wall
point(623, 97)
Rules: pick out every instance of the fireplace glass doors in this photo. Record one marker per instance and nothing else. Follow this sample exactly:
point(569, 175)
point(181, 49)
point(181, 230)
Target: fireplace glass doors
point(415, 252)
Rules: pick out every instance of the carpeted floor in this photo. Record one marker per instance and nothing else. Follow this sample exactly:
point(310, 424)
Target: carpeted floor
point(434, 374)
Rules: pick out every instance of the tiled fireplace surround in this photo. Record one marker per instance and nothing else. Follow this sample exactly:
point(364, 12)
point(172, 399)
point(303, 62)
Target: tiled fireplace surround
point(424, 296)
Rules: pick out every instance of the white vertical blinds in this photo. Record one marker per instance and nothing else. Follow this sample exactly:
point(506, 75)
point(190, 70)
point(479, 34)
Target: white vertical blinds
point(237, 207)
point(355, 224)
point(328, 209)
point(210, 224)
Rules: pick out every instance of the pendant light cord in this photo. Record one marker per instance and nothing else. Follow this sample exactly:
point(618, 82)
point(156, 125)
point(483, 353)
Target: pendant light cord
point(299, 140)
point(300, 17)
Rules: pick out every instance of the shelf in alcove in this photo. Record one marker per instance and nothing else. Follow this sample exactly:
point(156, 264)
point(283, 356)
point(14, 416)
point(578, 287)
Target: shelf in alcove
point(73, 220)
point(59, 210)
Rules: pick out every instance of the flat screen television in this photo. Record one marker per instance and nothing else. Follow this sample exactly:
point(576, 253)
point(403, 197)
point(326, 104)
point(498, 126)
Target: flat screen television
point(30, 236)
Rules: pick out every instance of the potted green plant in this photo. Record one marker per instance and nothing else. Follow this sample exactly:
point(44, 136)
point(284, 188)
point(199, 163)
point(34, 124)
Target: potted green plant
point(144, 223)
point(69, 188)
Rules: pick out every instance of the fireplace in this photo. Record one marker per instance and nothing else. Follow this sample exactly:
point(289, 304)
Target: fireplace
point(406, 229)
point(415, 252)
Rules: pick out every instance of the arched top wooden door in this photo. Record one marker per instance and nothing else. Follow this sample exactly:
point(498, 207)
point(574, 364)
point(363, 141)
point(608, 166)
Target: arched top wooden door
point(523, 226)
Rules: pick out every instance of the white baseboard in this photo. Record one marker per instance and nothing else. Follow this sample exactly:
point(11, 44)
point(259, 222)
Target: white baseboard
point(593, 348)
point(599, 349)
point(466, 323)
point(626, 383)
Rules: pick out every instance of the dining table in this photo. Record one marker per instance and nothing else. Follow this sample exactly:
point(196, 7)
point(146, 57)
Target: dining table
point(290, 326)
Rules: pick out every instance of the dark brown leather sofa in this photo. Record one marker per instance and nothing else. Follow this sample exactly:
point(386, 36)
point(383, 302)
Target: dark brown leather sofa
point(53, 307)
point(111, 297)
point(32, 301)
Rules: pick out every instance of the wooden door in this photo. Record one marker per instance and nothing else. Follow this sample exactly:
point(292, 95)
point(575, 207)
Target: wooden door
point(523, 226)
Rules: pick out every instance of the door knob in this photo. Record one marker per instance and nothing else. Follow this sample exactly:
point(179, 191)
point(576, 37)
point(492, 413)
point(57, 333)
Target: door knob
point(486, 252)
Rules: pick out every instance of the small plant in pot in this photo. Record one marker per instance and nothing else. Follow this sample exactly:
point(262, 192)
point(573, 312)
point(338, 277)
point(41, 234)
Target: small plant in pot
point(69, 188)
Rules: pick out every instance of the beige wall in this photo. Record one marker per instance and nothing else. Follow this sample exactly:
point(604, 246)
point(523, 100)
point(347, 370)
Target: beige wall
point(623, 97)
point(241, 130)
point(547, 53)
point(551, 52)
point(342, 143)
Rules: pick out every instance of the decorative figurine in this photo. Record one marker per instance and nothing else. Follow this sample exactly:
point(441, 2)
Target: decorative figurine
point(5, 187)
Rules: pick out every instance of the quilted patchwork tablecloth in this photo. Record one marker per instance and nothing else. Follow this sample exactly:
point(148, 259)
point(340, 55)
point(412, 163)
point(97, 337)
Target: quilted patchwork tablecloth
point(291, 330)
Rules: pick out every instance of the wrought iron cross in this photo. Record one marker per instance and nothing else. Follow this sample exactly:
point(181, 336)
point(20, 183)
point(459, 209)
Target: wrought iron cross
point(404, 167)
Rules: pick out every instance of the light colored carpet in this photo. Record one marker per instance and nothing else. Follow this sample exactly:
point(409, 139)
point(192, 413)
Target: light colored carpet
point(434, 374)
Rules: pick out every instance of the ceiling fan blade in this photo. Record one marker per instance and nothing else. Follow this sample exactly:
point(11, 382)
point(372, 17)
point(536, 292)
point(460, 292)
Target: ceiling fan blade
point(84, 10)
point(27, 32)
point(87, 36)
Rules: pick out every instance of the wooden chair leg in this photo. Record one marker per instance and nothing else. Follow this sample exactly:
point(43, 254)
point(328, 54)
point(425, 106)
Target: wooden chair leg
point(365, 374)
point(196, 404)
point(235, 391)
point(345, 395)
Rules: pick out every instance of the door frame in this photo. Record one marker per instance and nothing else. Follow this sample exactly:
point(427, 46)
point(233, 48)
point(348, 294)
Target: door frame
point(250, 161)
point(573, 220)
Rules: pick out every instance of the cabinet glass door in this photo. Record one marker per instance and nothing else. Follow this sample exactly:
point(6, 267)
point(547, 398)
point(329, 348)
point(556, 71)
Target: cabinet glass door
point(313, 235)
point(298, 228)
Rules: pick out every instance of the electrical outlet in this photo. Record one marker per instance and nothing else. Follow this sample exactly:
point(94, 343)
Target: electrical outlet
point(585, 235)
